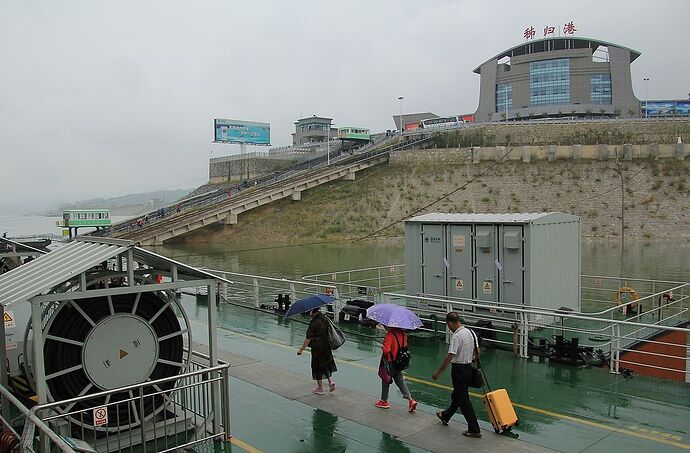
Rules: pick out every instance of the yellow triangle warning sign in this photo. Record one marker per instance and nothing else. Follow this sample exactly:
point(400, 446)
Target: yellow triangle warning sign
point(7, 317)
point(123, 354)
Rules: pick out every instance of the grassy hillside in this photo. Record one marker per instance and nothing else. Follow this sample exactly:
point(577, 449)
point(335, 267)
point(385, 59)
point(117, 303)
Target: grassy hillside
point(657, 199)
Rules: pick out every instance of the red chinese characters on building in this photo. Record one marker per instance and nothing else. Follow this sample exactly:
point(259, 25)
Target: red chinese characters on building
point(529, 33)
point(569, 28)
point(548, 30)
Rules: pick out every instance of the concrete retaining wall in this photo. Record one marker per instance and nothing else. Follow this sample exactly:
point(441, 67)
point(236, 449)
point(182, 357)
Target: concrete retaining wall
point(549, 153)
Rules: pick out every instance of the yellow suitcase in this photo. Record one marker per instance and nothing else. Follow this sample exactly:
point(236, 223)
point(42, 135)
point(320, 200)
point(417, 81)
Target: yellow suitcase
point(501, 412)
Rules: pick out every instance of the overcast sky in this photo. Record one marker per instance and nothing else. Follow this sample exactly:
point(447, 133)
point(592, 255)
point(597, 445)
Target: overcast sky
point(106, 98)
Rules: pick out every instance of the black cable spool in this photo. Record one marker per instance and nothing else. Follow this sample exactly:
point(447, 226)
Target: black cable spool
point(68, 323)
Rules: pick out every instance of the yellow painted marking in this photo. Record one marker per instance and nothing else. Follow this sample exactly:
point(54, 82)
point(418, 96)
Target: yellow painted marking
point(244, 445)
point(123, 354)
point(570, 418)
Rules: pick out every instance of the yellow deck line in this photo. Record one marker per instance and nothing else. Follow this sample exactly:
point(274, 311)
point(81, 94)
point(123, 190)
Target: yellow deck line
point(571, 418)
point(244, 445)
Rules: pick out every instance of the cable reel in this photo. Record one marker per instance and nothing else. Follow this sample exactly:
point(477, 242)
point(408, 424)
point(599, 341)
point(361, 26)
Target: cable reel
point(108, 342)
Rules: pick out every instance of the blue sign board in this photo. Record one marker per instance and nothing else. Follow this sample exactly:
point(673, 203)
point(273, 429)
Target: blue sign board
point(236, 131)
point(665, 108)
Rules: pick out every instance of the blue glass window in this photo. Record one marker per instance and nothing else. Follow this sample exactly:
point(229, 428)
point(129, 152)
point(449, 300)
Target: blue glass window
point(600, 89)
point(504, 97)
point(549, 82)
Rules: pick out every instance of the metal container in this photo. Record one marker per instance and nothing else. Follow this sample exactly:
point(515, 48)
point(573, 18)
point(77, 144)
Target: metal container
point(530, 259)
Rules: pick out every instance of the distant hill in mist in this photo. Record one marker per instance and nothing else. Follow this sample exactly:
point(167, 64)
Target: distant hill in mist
point(125, 205)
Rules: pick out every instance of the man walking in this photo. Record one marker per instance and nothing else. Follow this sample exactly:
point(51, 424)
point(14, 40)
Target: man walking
point(460, 354)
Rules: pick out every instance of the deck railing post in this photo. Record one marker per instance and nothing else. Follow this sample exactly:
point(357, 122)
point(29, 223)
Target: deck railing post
point(293, 293)
point(226, 404)
point(336, 305)
point(257, 302)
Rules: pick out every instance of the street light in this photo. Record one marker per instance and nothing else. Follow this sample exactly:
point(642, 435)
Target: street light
point(328, 143)
point(400, 98)
point(646, 97)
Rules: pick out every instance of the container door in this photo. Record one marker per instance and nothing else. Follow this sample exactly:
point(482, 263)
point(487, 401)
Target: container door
point(460, 272)
point(485, 261)
point(433, 255)
point(513, 264)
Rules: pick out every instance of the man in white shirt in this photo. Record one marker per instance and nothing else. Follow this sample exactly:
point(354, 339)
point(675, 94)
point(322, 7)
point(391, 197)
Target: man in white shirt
point(460, 353)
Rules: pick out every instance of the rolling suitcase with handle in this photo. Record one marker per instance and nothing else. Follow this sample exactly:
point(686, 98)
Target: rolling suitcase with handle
point(499, 407)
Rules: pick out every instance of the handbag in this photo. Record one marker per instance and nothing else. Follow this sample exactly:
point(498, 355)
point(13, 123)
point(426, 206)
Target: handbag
point(384, 372)
point(336, 337)
point(477, 380)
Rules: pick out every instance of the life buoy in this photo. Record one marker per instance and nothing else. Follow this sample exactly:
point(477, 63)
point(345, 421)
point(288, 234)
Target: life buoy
point(633, 295)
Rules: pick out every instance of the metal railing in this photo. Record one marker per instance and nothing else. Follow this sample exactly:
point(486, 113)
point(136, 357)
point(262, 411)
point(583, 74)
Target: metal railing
point(367, 282)
point(261, 292)
point(520, 327)
point(602, 325)
point(162, 415)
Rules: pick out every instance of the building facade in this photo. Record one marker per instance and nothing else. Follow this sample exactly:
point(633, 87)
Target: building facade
point(314, 129)
point(558, 77)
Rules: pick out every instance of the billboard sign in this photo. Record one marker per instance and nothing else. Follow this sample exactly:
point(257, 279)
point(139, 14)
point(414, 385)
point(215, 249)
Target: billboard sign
point(236, 131)
point(665, 108)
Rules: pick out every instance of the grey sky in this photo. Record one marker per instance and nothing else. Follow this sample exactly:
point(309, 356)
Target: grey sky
point(107, 98)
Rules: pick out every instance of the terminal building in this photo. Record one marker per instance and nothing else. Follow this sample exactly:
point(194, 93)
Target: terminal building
point(313, 129)
point(558, 77)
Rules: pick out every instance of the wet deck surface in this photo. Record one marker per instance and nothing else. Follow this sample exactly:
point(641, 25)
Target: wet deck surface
point(420, 429)
point(560, 407)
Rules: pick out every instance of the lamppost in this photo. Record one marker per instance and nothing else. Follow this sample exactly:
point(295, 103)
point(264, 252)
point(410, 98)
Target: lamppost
point(328, 143)
point(646, 97)
point(400, 98)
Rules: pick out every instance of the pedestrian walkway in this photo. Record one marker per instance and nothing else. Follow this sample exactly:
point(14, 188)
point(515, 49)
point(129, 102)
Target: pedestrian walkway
point(420, 429)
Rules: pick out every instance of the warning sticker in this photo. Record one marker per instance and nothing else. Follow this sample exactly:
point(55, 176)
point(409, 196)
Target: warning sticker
point(9, 320)
point(459, 241)
point(100, 416)
point(487, 287)
point(459, 285)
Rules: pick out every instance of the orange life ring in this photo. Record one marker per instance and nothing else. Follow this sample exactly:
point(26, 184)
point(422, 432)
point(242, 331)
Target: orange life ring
point(633, 295)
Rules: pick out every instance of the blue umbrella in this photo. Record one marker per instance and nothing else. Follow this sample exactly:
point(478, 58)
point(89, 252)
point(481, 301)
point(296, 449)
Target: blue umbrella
point(308, 304)
point(391, 315)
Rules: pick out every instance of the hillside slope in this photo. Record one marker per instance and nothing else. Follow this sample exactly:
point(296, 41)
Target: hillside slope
point(657, 199)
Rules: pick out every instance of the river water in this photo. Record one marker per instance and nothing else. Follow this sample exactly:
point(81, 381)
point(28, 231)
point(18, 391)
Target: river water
point(667, 260)
point(663, 260)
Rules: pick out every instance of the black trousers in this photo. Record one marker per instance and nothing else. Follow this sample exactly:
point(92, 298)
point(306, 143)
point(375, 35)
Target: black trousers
point(461, 374)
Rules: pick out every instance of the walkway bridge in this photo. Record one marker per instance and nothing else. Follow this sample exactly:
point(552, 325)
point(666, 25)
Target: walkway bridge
point(225, 207)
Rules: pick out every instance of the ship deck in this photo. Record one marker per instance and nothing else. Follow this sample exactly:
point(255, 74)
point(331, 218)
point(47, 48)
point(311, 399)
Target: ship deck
point(560, 407)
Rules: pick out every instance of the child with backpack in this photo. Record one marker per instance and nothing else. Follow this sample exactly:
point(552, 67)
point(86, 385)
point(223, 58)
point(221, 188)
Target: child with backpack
point(395, 359)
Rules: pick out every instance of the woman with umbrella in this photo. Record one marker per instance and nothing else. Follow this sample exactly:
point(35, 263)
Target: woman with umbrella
point(394, 319)
point(322, 362)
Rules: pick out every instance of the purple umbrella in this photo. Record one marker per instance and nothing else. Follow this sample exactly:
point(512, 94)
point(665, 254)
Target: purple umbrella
point(391, 315)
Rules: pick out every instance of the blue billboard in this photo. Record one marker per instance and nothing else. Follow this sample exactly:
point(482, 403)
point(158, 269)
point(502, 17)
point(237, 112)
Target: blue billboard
point(236, 131)
point(666, 108)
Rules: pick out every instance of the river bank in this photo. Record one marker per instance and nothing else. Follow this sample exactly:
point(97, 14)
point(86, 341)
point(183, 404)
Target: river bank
point(655, 196)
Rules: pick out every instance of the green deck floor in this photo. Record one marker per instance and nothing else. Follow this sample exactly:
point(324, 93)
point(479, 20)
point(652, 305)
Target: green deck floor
point(563, 408)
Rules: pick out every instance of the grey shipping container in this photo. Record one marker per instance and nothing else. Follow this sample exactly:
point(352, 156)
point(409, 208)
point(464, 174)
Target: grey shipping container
point(530, 259)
